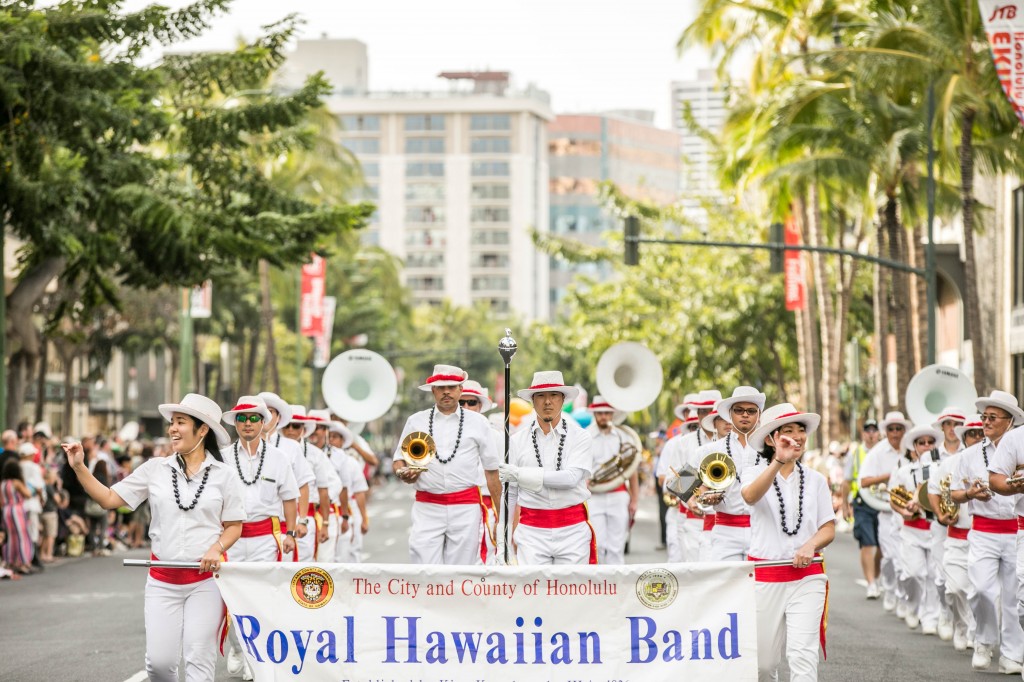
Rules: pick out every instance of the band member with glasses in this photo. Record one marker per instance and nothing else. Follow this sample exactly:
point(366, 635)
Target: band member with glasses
point(918, 562)
point(475, 398)
point(298, 435)
point(946, 446)
point(878, 466)
point(550, 462)
point(197, 514)
point(355, 522)
point(280, 418)
point(445, 528)
point(730, 538)
point(791, 520)
point(992, 542)
point(611, 512)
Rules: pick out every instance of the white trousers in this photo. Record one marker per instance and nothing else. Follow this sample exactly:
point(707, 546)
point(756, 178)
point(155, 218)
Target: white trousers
point(789, 623)
point(348, 548)
point(1020, 577)
point(992, 569)
point(939, 534)
point(728, 543)
point(958, 585)
point(917, 575)
point(259, 548)
point(329, 549)
point(448, 534)
point(889, 542)
point(182, 622)
point(545, 546)
point(609, 516)
point(706, 537)
point(306, 545)
point(690, 533)
point(675, 548)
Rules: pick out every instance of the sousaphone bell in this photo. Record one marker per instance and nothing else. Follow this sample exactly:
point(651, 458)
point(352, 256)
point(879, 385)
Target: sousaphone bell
point(359, 386)
point(935, 388)
point(629, 376)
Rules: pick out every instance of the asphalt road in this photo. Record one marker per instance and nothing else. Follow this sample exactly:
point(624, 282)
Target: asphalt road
point(82, 619)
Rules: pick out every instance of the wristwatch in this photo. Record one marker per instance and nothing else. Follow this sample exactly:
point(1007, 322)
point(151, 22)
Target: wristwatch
point(290, 533)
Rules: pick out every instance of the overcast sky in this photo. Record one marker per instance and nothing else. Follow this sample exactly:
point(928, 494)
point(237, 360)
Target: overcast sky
point(590, 55)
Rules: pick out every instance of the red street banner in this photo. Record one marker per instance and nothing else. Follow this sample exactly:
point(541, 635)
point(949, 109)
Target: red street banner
point(311, 304)
point(796, 289)
point(1004, 25)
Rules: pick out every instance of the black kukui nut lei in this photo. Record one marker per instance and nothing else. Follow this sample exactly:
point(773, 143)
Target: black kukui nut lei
point(259, 469)
point(177, 493)
point(800, 504)
point(458, 438)
point(561, 446)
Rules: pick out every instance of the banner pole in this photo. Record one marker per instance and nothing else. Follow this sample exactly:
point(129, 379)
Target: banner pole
point(507, 348)
point(194, 565)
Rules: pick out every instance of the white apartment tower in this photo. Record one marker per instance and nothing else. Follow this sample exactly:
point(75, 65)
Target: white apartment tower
point(707, 107)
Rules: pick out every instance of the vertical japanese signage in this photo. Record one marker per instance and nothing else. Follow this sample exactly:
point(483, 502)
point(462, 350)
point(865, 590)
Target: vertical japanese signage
point(1004, 26)
point(793, 267)
point(311, 303)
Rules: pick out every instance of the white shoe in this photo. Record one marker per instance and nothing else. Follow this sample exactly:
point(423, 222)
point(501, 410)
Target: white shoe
point(901, 610)
point(945, 631)
point(1008, 666)
point(929, 629)
point(912, 621)
point(959, 640)
point(982, 657)
point(873, 592)
point(247, 673)
point(888, 602)
point(235, 663)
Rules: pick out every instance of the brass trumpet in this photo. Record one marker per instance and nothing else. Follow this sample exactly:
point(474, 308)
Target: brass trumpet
point(419, 449)
point(717, 472)
point(947, 506)
point(900, 496)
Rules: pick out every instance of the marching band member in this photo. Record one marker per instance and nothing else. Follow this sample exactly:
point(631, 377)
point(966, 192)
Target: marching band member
point(297, 435)
point(916, 533)
point(197, 514)
point(954, 550)
point(550, 462)
point(720, 428)
point(281, 416)
point(269, 487)
point(354, 522)
point(791, 520)
point(475, 399)
point(946, 424)
point(330, 524)
point(682, 544)
point(730, 538)
point(443, 531)
point(611, 513)
point(865, 518)
point(992, 552)
point(878, 466)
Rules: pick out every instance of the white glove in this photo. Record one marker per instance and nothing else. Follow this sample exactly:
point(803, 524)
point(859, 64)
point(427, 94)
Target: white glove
point(531, 478)
point(508, 473)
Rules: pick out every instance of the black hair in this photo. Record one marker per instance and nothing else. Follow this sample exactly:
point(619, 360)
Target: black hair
point(209, 440)
point(100, 472)
point(11, 470)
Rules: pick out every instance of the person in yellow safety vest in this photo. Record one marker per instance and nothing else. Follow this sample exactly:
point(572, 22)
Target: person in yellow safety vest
point(865, 519)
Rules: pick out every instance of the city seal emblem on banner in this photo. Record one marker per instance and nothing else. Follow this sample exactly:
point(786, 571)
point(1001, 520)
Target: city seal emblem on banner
point(657, 588)
point(312, 587)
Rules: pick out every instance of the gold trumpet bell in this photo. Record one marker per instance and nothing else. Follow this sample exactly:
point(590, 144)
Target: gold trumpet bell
point(419, 449)
point(717, 471)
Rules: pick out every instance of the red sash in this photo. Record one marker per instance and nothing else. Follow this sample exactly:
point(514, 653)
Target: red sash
point(986, 524)
point(467, 496)
point(268, 526)
point(709, 521)
point(922, 524)
point(683, 509)
point(1020, 523)
point(732, 520)
point(621, 489)
point(177, 576)
point(957, 533)
point(560, 518)
point(788, 574)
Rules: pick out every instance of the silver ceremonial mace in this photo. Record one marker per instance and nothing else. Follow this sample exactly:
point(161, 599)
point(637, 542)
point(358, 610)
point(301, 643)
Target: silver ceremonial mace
point(507, 347)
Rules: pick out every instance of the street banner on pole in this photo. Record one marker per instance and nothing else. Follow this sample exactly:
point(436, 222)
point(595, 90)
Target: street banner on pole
point(201, 301)
point(555, 623)
point(322, 342)
point(311, 304)
point(796, 287)
point(1004, 25)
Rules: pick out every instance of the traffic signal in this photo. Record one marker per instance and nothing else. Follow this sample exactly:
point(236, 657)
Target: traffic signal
point(776, 236)
point(632, 247)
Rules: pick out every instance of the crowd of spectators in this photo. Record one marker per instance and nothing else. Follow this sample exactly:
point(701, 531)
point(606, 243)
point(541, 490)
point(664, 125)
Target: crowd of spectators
point(46, 514)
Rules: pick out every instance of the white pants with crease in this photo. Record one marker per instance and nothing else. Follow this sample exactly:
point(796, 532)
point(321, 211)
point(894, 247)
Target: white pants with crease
point(789, 624)
point(182, 622)
point(609, 516)
point(690, 532)
point(546, 546)
point(729, 543)
point(917, 575)
point(448, 534)
point(889, 542)
point(328, 549)
point(958, 585)
point(675, 549)
point(992, 569)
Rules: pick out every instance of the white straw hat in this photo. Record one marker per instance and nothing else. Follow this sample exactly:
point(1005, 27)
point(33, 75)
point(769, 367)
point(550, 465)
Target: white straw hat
point(203, 409)
point(685, 407)
point(276, 402)
point(299, 417)
point(920, 432)
point(343, 431)
point(1004, 401)
point(247, 404)
point(973, 422)
point(549, 381)
point(445, 375)
point(778, 416)
point(742, 394)
point(895, 417)
point(707, 422)
point(475, 389)
point(950, 414)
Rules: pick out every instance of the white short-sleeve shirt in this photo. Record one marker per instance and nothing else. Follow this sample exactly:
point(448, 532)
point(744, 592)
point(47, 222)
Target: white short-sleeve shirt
point(300, 467)
point(576, 454)
point(972, 466)
point(911, 474)
point(767, 539)
point(269, 486)
point(179, 535)
point(461, 469)
point(881, 460)
point(1009, 456)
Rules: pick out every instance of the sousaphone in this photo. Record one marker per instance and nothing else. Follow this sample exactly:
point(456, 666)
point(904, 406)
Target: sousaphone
point(359, 386)
point(935, 388)
point(622, 465)
point(629, 376)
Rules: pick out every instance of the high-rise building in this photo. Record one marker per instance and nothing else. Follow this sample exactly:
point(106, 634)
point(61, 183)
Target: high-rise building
point(706, 103)
point(624, 148)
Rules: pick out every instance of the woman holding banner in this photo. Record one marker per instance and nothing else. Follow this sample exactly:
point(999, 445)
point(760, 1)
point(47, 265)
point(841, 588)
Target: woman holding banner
point(791, 519)
point(197, 508)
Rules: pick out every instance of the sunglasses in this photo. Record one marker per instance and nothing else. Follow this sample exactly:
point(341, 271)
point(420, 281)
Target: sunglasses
point(472, 402)
point(895, 428)
point(745, 411)
point(974, 433)
point(925, 441)
point(992, 417)
point(251, 418)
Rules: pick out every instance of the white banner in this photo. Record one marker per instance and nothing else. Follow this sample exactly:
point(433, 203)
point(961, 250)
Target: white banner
point(322, 341)
point(1004, 25)
point(372, 622)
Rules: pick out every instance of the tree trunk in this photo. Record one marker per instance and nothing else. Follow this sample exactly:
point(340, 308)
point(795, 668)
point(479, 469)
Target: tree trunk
point(803, 356)
point(68, 358)
point(972, 308)
point(244, 378)
point(250, 360)
point(898, 309)
point(22, 329)
point(881, 301)
point(267, 314)
point(921, 296)
point(811, 316)
point(44, 353)
point(828, 383)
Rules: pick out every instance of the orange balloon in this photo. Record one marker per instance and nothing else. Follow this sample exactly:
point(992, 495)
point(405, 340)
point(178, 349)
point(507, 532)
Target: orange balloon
point(519, 408)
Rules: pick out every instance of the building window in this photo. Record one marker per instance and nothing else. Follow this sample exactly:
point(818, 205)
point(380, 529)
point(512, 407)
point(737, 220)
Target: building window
point(485, 168)
point(489, 260)
point(424, 214)
point(366, 193)
point(497, 191)
point(370, 169)
point(358, 123)
point(432, 122)
point(370, 237)
point(490, 122)
point(424, 145)
point(489, 283)
point(1018, 248)
point(432, 239)
point(362, 145)
point(489, 214)
point(424, 260)
point(419, 169)
point(424, 191)
point(497, 305)
point(490, 237)
point(490, 145)
point(427, 283)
